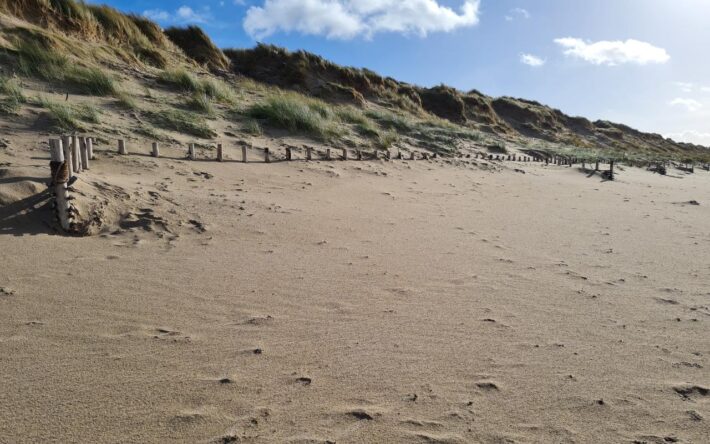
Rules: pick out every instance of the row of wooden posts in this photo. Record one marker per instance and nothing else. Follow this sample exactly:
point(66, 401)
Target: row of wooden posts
point(73, 154)
point(360, 155)
point(309, 153)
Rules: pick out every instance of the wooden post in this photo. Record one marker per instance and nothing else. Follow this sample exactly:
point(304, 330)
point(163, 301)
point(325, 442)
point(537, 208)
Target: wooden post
point(611, 170)
point(596, 168)
point(220, 153)
point(345, 154)
point(84, 153)
point(289, 156)
point(412, 154)
point(267, 156)
point(309, 153)
point(358, 154)
point(122, 150)
point(191, 151)
point(399, 154)
point(76, 154)
point(66, 150)
point(327, 154)
point(156, 150)
point(244, 154)
point(60, 175)
point(90, 147)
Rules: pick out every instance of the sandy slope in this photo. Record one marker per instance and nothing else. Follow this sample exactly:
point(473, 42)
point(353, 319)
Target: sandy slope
point(361, 302)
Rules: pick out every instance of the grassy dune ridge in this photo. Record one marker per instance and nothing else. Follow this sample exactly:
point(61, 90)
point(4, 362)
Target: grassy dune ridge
point(96, 51)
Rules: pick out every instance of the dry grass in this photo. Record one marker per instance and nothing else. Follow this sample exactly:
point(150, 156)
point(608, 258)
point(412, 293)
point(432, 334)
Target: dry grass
point(35, 60)
point(296, 113)
point(13, 95)
point(68, 117)
point(182, 122)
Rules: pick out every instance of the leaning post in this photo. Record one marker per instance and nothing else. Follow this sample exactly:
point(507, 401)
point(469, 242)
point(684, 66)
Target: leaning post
point(60, 177)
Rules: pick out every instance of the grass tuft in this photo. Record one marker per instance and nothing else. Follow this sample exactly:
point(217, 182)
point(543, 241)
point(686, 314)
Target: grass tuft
point(34, 60)
point(14, 96)
point(68, 117)
point(183, 122)
point(200, 102)
point(186, 82)
point(296, 113)
point(125, 100)
point(253, 128)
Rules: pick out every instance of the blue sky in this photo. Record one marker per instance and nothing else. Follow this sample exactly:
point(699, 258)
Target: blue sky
point(639, 62)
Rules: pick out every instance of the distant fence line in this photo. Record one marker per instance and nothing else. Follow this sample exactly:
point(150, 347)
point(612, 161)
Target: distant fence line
point(73, 154)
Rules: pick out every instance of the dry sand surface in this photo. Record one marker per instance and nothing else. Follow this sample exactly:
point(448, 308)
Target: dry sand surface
point(359, 302)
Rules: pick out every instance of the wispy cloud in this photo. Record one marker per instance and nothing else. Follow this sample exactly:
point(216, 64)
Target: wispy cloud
point(182, 15)
point(613, 52)
point(517, 13)
point(691, 105)
point(691, 136)
point(347, 19)
point(531, 60)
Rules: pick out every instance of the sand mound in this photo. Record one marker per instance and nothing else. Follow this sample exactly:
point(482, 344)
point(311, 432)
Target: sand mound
point(26, 206)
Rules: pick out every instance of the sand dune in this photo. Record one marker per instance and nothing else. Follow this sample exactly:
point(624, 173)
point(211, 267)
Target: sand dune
point(357, 302)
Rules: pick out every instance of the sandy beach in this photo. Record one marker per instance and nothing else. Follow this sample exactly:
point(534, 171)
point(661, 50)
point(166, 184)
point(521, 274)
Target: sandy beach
point(353, 302)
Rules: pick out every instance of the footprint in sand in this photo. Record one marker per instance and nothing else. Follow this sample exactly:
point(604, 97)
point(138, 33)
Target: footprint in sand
point(691, 392)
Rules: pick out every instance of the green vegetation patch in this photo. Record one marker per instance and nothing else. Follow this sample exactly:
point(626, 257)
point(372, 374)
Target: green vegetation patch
point(186, 82)
point(68, 117)
point(183, 122)
point(35, 60)
point(297, 113)
point(13, 96)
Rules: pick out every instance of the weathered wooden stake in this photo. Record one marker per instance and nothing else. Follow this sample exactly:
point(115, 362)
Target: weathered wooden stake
point(66, 149)
point(267, 155)
point(289, 155)
point(60, 174)
point(345, 154)
point(156, 150)
point(122, 147)
point(309, 153)
point(220, 153)
point(84, 153)
point(191, 151)
point(76, 154)
point(596, 167)
point(358, 154)
point(244, 153)
point(90, 147)
point(611, 170)
point(327, 154)
point(413, 154)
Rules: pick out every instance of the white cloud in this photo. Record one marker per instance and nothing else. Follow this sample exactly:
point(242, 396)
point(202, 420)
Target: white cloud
point(686, 87)
point(705, 89)
point(182, 15)
point(692, 136)
point(613, 52)
point(691, 105)
point(347, 19)
point(531, 60)
point(517, 13)
point(157, 15)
